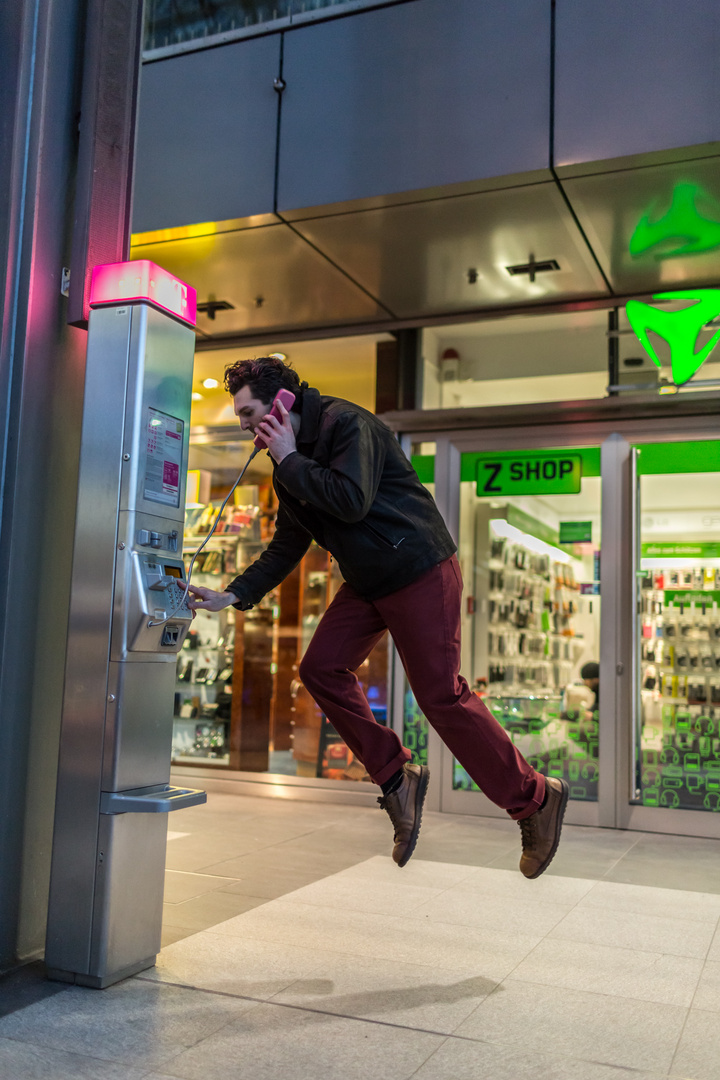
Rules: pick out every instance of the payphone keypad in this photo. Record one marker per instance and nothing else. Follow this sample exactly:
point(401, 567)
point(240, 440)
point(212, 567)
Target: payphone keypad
point(165, 581)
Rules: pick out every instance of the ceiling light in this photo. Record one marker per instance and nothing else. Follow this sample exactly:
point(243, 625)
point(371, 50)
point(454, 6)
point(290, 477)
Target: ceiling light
point(210, 384)
point(278, 355)
point(532, 543)
point(532, 267)
point(197, 397)
point(211, 307)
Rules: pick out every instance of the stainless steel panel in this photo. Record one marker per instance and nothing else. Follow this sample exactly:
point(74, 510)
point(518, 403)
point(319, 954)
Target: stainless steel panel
point(139, 725)
point(425, 194)
point(81, 745)
point(206, 135)
point(610, 207)
point(130, 882)
point(270, 276)
point(416, 258)
point(414, 95)
point(159, 377)
point(106, 897)
point(635, 77)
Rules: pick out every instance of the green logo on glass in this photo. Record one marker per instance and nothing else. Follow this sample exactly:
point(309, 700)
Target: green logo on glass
point(680, 329)
point(682, 230)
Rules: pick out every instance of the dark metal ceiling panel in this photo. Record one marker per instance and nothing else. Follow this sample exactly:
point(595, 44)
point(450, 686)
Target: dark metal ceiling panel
point(653, 228)
point(414, 95)
point(416, 259)
point(635, 77)
point(271, 277)
point(206, 136)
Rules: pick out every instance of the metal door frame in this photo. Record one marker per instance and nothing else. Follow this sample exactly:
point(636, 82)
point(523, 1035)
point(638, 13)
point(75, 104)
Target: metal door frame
point(617, 631)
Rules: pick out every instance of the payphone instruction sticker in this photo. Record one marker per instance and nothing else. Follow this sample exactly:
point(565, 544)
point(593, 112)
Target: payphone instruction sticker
point(163, 458)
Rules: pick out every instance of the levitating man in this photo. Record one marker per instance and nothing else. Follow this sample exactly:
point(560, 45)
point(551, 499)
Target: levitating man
point(342, 480)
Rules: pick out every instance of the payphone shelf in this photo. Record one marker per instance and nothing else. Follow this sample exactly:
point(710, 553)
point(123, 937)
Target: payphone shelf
point(157, 800)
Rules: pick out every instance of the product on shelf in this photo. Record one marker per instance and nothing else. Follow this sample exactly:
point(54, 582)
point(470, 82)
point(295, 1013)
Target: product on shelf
point(532, 602)
point(680, 636)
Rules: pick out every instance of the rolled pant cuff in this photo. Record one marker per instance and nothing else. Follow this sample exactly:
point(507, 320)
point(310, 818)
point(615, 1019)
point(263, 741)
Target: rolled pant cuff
point(392, 767)
point(532, 807)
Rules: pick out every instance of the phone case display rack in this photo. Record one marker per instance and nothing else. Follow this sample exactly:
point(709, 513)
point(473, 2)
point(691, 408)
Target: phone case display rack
point(317, 749)
point(239, 703)
point(533, 646)
point(204, 687)
point(678, 761)
point(532, 602)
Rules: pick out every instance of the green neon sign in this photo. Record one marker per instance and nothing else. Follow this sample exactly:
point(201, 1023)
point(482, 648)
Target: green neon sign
point(679, 328)
point(682, 230)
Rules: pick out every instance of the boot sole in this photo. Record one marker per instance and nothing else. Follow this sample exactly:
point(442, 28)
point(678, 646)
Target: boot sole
point(420, 794)
point(561, 815)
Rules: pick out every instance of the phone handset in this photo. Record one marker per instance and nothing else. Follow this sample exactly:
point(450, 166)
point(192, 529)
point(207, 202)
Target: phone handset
point(287, 398)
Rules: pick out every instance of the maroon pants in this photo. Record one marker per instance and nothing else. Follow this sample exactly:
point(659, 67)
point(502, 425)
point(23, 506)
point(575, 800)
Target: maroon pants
point(424, 621)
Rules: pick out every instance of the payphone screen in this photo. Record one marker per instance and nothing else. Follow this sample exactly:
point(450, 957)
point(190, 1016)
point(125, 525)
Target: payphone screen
point(173, 571)
point(163, 458)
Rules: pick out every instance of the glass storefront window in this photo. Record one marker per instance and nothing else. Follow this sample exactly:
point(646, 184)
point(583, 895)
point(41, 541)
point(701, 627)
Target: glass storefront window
point(515, 360)
point(530, 556)
point(678, 749)
point(239, 702)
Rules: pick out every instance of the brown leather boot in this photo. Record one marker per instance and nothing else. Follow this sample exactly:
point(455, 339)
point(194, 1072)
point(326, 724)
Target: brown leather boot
point(541, 831)
point(404, 807)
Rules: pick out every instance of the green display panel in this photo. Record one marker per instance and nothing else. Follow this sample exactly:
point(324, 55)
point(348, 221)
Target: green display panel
point(678, 763)
point(424, 466)
point(556, 743)
point(702, 550)
point(694, 456)
point(576, 532)
point(415, 728)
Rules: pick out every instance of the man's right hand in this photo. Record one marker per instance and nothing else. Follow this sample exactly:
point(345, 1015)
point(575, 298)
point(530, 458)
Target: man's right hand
point(209, 600)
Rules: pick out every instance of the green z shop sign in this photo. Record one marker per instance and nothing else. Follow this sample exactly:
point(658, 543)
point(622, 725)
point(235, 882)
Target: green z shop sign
point(529, 474)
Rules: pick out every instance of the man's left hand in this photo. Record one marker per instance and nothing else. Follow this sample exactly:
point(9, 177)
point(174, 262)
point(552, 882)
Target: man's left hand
point(280, 437)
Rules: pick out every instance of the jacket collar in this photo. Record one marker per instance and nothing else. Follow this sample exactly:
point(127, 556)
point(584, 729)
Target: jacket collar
point(310, 416)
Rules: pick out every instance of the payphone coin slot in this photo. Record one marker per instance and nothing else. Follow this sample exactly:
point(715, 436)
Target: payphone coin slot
point(162, 582)
point(170, 636)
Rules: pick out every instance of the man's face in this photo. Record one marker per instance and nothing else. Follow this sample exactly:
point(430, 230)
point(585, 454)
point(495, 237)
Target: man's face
point(248, 409)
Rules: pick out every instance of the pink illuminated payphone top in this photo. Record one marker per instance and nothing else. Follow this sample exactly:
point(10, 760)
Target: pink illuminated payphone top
point(143, 280)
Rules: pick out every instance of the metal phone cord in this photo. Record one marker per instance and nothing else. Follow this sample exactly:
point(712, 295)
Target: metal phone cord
point(160, 622)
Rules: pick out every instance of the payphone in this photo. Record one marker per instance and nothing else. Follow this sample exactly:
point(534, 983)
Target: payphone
point(128, 620)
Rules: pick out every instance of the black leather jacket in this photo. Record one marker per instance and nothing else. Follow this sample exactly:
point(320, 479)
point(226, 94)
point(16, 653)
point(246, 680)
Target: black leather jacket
point(349, 487)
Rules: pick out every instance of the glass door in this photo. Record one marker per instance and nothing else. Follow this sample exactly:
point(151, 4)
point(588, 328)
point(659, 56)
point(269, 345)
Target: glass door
point(676, 736)
point(529, 548)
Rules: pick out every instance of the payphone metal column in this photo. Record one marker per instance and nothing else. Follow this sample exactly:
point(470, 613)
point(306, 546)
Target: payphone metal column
point(126, 626)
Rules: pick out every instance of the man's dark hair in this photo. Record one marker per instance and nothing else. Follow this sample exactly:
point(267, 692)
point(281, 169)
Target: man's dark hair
point(591, 670)
point(265, 375)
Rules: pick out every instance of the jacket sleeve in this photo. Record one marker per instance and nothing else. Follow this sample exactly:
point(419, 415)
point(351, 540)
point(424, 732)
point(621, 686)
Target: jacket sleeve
point(346, 489)
point(280, 558)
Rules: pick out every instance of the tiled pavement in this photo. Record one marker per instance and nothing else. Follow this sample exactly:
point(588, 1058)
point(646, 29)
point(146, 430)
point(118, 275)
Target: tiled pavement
point(295, 948)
